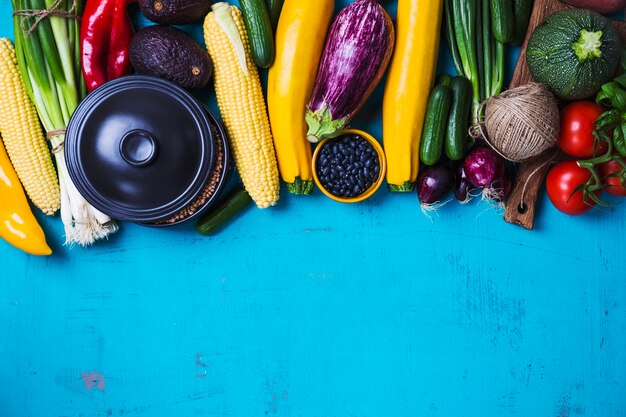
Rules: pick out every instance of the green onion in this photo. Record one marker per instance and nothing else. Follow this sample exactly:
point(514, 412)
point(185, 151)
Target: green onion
point(451, 38)
point(476, 54)
point(487, 42)
point(48, 55)
point(464, 18)
point(497, 81)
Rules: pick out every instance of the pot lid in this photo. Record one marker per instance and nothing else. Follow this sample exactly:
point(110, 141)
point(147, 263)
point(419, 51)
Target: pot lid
point(139, 148)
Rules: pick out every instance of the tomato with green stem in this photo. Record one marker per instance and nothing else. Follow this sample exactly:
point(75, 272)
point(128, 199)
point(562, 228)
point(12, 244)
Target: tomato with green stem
point(614, 176)
point(568, 188)
point(576, 133)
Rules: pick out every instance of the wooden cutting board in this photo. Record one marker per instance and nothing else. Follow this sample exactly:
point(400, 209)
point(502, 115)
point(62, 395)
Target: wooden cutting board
point(520, 207)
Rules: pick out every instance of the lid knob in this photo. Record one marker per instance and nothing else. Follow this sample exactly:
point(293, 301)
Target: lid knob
point(138, 148)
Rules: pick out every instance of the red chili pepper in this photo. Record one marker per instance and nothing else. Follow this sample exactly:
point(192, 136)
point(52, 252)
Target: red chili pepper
point(105, 33)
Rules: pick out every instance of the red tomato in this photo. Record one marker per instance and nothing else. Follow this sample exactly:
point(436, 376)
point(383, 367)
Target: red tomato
point(614, 184)
point(576, 133)
point(562, 179)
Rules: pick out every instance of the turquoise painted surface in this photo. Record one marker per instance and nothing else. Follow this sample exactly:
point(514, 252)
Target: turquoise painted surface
point(313, 308)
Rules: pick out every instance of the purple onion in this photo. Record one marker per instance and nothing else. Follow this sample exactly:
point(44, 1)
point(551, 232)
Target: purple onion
point(356, 54)
point(501, 188)
point(462, 187)
point(434, 183)
point(483, 166)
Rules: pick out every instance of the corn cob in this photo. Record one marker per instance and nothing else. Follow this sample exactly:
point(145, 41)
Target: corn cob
point(23, 136)
point(240, 100)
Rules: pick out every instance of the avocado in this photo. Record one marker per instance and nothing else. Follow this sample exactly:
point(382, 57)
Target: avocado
point(175, 12)
point(171, 54)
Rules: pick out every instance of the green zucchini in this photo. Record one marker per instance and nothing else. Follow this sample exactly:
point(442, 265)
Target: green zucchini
point(574, 52)
point(455, 142)
point(502, 20)
point(214, 220)
point(521, 17)
point(444, 79)
point(257, 20)
point(435, 123)
point(274, 7)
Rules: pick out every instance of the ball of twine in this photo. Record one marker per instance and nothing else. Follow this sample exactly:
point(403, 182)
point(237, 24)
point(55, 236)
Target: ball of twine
point(522, 122)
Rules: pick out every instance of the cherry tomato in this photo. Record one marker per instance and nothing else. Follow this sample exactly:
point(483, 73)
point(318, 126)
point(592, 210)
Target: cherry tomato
point(614, 184)
point(562, 179)
point(576, 133)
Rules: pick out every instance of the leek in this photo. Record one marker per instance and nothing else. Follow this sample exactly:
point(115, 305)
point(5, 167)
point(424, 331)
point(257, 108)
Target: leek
point(48, 55)
point(476, 54)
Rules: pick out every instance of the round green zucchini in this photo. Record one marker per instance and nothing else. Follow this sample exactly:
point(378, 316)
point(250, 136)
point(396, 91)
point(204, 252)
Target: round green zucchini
point(574, 52)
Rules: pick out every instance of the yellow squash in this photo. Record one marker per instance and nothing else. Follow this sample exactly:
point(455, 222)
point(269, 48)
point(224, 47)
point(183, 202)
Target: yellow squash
point(18, 226)
point(300, 39)
point(409, 81)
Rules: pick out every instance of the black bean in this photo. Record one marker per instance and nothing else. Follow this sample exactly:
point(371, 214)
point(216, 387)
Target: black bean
point(348, 166)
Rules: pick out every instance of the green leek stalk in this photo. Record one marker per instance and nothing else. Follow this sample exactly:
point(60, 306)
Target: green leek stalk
point(48, 56)
point(465, 26)
point(476, 54)
point(497, 74)
point(451, 38)
point(488, 43)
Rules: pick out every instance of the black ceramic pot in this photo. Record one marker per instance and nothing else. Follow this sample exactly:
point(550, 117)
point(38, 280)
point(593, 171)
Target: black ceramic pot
point(144, 150)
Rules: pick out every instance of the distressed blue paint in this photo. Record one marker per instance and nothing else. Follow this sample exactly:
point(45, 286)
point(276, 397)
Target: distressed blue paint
point(314, 308)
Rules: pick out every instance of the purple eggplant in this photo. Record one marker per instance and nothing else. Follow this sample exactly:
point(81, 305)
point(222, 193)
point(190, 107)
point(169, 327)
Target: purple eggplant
point(434, 183)
point(483, 166)
point(356, 55)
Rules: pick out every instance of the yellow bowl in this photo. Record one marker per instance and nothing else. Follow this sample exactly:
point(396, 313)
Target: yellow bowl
point(382, 162)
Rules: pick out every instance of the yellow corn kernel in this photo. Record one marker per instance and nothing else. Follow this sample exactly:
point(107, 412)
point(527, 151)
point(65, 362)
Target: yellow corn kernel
point(23, 136)
point(240, 100)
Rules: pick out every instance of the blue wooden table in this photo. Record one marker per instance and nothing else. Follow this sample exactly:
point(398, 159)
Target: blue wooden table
point(314, 308)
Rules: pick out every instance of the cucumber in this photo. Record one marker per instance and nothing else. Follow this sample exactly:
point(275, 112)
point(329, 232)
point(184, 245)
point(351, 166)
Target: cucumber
point(214, 220)
point(521, 16)
point(257, 20)
point(456, 134)
point(274, 7)
point(444, 79)
point(502, 20)
point(435, 123)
